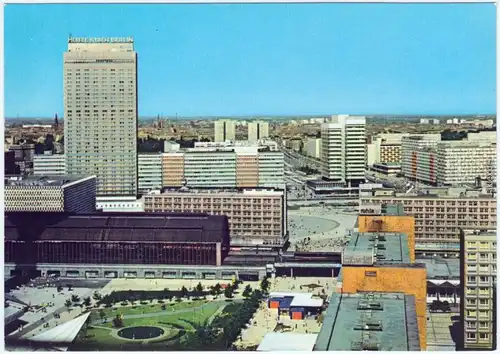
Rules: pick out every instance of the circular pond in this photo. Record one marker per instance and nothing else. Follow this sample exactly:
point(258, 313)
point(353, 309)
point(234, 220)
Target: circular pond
point(141, 332)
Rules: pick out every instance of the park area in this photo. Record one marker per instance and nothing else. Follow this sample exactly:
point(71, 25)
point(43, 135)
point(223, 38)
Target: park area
point(168, 320)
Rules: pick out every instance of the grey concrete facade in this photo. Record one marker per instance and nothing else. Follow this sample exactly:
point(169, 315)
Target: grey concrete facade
point(100, 112)
point(151, 271)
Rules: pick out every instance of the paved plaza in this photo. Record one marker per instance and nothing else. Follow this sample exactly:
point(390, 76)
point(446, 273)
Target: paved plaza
point(51, 302)
point(325, 226)
point(265, 320)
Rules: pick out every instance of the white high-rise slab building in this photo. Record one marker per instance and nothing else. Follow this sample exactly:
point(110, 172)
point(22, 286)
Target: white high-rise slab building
point(224, 130)
point(258, 130)
point(343, 149)
point(49, 164)
point(100, 113)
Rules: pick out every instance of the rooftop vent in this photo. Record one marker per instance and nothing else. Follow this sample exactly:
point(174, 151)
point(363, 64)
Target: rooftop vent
point(368, 324)
point(365, 344)
point(370, 305)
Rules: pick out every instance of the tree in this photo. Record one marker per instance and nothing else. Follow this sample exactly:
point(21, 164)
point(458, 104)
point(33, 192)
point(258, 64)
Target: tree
point(228, 291)
point(68, 303)
point(264, 285)
point(86, 301)
point(118, 321)
point(102, 314)
point(213, 292)
point(199, 289)
point(247, 292)
point(75, 298)
point(218, 289)
point(203, 335)
point(96, 296)
point(184, 292)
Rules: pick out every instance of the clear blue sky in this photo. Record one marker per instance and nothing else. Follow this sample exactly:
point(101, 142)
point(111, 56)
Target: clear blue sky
point(267, 59)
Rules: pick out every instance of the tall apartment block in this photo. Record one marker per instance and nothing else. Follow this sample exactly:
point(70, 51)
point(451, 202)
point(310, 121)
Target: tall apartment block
point(23, 157)
point(385, 149)
point(224, 167)
point(224, 130)
point(313, 147)
point(49, 164)
point(258, 130)
point(343, 151)
point(255, 216)
point(478, 263)
point(426, 159)
point(418, 159)
point(72, 194)
point(150, 172)
point(462, 162)
point(100, 113)
point(440, 213)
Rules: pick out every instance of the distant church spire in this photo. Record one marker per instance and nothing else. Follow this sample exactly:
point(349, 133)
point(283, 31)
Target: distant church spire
point(56, 122)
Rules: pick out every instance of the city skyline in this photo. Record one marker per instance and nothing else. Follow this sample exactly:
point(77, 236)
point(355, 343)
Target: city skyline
point(422, 59)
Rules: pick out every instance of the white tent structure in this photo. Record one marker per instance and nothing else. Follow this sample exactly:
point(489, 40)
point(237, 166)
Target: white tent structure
point(63, 334)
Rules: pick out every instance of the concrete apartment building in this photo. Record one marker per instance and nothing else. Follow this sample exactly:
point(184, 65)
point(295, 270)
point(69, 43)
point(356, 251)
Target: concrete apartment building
point(440, 213)
point(258, 130)
point(385, 149)
point(150, 172)
point(224, 130)
point(313, 147)
point(100, 113)
point(418, 158)
point(460, 162)
point(427, 159)
point(255, 216)
point(49, 164)
point(343, 149)
point(478, 262)
point(224, 166)
point(73, 194)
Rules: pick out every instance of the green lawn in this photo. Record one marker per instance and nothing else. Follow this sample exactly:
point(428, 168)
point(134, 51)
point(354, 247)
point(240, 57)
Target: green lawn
point(100, 339)
point(139, 309)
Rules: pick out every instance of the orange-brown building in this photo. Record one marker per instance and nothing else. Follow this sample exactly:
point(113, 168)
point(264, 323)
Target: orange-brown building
point(391, 219)
point(173, 169)
point(381, 262)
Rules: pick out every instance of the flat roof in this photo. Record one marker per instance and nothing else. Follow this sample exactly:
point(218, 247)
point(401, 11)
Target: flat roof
point(116, 227)
point(287, 341)
point(393, 209)
point(283, 294)
point(377, 248)
point(216, 192)
point(441, 268)
point(42, 181)
point(306, 301)
point(369, 321)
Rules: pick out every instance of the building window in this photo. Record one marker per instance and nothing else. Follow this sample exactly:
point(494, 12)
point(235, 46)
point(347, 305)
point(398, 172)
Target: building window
point(370, 274)
point(484, 335)
point(471, 335)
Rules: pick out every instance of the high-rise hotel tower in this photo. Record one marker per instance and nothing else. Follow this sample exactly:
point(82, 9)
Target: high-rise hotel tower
point(100, 113)
point(343, 150)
